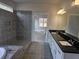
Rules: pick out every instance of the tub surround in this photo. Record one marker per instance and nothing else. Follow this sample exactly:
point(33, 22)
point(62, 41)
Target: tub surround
point(20, 52)
point(2, 53)
point(11, 50)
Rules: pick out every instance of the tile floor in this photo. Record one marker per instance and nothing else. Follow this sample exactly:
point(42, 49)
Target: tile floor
point(38, 51)
point(38, 36)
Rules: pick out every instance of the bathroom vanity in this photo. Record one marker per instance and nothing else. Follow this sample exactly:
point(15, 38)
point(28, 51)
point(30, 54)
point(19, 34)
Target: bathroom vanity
point(60, 47)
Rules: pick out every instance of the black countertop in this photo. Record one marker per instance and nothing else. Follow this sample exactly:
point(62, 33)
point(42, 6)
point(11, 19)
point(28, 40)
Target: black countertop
point(66, 49)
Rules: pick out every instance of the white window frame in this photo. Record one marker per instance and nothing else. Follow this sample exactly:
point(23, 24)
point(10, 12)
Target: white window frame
point(6, 7)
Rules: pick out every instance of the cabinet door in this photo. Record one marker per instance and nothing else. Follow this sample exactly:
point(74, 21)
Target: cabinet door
point(55, 49)
point(46, 36)
point(54, 53)
point(71, 56)
point(58, 54)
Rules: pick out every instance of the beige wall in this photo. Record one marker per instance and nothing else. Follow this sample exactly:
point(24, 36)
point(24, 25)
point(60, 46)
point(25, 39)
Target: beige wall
point(59, 23)
point(56, 21)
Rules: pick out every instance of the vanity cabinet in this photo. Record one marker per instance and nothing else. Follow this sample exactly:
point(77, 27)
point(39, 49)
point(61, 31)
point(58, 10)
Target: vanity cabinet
point(55, 49)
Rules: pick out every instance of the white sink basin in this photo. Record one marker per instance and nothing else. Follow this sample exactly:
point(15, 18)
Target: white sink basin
point(2, 52)
point(65, 43)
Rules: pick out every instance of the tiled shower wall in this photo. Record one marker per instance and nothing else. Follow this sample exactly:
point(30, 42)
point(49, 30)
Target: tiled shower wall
point(15, 28)
point(7, 27)
point(24, 25)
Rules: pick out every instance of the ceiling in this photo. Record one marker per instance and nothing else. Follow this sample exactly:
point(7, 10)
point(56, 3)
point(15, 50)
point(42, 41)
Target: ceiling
point(38, 1)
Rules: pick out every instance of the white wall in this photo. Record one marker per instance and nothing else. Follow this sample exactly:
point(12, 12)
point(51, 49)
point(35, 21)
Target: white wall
point(35, 18)
point(33, 7)
point(73, 22)
point(54, 21)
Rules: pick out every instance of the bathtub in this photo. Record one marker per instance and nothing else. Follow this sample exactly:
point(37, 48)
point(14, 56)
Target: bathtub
point(2, 53)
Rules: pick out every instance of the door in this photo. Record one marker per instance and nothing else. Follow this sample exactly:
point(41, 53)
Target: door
point(42, 23)
point(39, 26)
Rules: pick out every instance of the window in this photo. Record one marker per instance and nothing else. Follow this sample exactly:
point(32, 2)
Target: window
point(6, 7)
point(43, 22)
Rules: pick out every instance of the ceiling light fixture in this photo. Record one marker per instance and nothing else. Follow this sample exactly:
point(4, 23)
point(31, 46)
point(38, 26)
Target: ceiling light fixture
point(61, 11)
point(76, 2)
